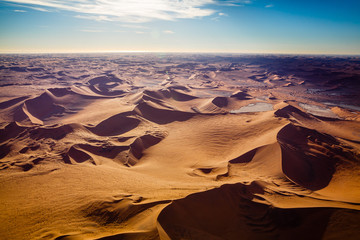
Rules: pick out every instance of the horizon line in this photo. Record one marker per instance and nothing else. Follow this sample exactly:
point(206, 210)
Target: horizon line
point(180, 52)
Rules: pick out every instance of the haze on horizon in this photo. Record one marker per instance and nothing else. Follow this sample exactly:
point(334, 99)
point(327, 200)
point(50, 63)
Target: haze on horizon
point(237, 26)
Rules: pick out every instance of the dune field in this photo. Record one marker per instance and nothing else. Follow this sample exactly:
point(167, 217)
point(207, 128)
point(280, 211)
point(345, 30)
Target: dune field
point(179, 146)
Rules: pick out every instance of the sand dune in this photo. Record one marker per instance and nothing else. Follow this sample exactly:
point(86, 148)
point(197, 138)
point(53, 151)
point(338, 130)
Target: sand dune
point(159, 114)
point(241, 213)
point(170, 93)
point(143, 147)
point(308, 157)
point(115, 125)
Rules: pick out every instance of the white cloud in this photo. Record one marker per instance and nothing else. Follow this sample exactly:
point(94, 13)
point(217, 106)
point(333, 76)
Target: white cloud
point(139, 32)
point(131, 10)
point(94, 17)
point(168, 32)
point(234, 3)
point(17, 10)
point(269, 6)
point(31, 7)
point(220, 14)
point(39, 9)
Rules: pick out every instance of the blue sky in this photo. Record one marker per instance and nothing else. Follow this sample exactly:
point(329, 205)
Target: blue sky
point(243, 26)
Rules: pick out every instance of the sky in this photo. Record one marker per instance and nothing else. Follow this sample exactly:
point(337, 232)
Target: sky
point(220, 26)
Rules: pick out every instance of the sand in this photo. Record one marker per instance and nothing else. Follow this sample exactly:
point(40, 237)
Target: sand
point(187, 146)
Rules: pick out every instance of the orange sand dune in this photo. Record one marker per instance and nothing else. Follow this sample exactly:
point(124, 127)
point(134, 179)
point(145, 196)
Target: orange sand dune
point(246, 147)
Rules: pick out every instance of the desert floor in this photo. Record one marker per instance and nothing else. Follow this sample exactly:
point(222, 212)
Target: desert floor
point(179, 146)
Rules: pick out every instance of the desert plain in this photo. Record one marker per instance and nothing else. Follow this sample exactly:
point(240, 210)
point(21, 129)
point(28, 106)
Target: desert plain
point(179, 146)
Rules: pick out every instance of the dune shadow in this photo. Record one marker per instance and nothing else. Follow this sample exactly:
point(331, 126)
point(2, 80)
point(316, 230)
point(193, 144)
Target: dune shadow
point(229, 212)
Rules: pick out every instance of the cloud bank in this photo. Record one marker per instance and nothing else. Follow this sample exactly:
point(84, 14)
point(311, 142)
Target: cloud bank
point(131, 10)
point(135, 11)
